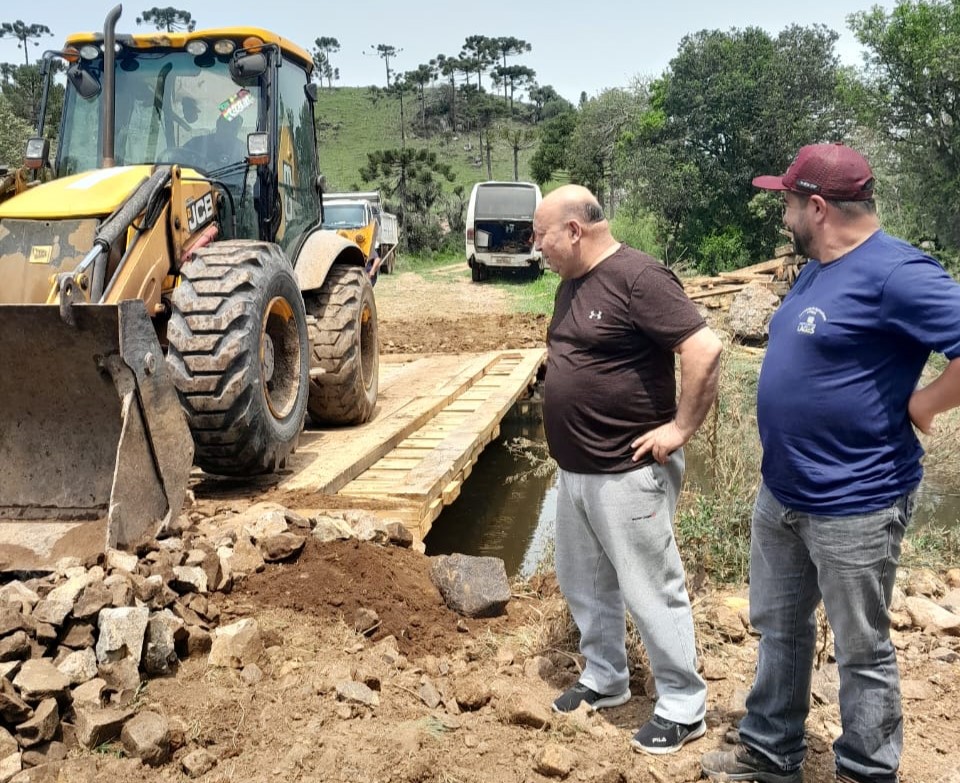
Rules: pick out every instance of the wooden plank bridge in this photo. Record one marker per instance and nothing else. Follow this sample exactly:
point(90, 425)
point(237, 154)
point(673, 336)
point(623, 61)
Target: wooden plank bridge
point(434, 416)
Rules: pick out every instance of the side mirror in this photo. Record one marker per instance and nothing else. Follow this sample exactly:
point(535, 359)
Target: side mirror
point(321, 184)
point(244, 66)
point(84, 82)
point(311, 91)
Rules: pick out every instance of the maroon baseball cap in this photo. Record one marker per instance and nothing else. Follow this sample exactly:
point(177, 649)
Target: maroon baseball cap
point(833, 171)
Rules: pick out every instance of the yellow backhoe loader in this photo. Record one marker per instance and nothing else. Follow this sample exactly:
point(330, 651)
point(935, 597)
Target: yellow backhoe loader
point(167, 295)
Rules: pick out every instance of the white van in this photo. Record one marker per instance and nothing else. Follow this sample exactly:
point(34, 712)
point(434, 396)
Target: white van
point(500, 228)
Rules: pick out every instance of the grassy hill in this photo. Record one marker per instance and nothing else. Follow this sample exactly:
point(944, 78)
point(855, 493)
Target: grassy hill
point(350, 125)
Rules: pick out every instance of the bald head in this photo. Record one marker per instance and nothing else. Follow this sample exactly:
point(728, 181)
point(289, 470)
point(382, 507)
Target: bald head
point(571, 231)
point(575, 202)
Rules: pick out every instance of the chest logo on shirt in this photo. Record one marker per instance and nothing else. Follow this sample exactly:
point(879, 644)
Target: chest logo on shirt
point(809, 319)
point(596, 315)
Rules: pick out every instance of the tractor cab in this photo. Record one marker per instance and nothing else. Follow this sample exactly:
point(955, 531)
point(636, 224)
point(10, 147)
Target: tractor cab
point(232, 105)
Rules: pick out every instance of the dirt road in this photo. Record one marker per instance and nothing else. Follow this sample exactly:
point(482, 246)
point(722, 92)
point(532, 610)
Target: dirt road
point(464, 701)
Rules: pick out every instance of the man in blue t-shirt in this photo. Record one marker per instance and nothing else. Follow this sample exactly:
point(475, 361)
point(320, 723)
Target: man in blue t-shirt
point(837, 404)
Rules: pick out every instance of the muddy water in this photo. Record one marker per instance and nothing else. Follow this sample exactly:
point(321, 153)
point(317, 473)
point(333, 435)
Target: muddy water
point(507, 507)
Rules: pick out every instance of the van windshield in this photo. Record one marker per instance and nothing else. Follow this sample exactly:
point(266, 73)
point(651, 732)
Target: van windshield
point(497, 202)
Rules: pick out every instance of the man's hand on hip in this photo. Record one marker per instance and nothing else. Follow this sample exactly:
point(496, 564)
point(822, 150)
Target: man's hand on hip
point(660, 443)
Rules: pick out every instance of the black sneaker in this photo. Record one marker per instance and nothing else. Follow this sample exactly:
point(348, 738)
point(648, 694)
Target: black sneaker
point(742, 763)
point(659, 735)
point(572, 698)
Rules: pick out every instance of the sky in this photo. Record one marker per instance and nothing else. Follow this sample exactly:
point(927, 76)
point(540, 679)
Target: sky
point(584, 46)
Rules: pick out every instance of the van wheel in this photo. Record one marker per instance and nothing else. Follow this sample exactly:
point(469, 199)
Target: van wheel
point(478, 272)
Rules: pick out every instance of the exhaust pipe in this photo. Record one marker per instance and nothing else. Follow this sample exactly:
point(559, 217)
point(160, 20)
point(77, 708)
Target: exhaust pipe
point(109, 107)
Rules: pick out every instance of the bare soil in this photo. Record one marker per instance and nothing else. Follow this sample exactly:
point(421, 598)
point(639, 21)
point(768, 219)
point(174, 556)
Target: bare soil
point(495, 677)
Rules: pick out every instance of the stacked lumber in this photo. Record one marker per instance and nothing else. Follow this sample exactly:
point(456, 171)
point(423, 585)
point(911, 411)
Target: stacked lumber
point(777, 275)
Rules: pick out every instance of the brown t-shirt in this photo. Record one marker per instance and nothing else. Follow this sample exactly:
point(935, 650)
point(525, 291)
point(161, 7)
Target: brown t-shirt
point(610, 360)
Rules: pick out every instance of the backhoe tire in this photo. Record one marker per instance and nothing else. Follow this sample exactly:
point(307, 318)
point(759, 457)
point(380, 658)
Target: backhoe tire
point(239, 353)
point(345, 364)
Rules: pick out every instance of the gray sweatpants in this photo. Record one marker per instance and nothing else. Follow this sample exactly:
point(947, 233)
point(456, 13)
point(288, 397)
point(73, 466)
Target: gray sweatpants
point(616, 550)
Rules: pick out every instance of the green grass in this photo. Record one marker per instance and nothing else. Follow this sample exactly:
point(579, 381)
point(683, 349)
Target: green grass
point(349, 125)
point(526, 295)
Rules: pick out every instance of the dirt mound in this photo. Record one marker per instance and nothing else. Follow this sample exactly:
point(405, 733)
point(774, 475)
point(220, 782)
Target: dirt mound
point(463, 333)
point(335, 580)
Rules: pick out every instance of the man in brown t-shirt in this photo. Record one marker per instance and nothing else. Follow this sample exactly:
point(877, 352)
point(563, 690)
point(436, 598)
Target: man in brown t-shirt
point(616, 429)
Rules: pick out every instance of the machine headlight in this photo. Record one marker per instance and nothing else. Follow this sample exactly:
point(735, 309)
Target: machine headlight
point(196, 48)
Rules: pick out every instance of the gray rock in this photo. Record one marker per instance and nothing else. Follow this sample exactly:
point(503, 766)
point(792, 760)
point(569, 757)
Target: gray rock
point(120, 676)
point(931, 618)
point(251, 674)
point(17, 594)
point(78, 635)
point(11, 620)
point(751, 311)
point(94, 597)
point(197, 763)
point(554, 761)
point(90, 694)
point(917, 690)
point(236, 645)
point(357, 693)
point(160, 651)
point(331, 528)
point(44, 753)
point(96, 726)
point(121, 633)
point(243, 559)
point(15, 647)
point(189, 579)
point(429, 694)
point(42, 727)
point(825, 686)
point(121, 561)
point(525, 711)
point(281, 546)
point(79, 666)
point(39, 679)
point(10, 766)
point(146, 736)
point(471, 586)
point(8, 744)
point(13, 709)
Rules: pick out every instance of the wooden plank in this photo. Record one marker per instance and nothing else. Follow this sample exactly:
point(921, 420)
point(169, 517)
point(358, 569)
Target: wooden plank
point(718, 291)
point(450, 457)
point(326, 461)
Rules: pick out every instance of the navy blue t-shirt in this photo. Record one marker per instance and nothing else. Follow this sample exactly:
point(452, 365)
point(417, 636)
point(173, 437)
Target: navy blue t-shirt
point(846, 350)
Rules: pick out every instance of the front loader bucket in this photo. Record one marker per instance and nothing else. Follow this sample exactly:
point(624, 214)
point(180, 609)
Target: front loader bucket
point(95, 450)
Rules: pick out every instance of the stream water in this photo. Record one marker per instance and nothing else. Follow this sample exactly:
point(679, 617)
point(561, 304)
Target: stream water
point(507, 507)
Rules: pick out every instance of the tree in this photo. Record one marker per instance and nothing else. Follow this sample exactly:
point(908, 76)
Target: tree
point(509, 47)
point(518, 138)
point(22, 85)
point(170, 19)
point(547, 102)
point(449, 67)
point(552, 155)
point(323, 68)
point(413, 175)
point(385, 52)
point(24, 33)
point(478, 53)
point(910, 99)
point(418, 80)
point(600, 123)
point(513, 77)
point(14, 132)
point(732, 104)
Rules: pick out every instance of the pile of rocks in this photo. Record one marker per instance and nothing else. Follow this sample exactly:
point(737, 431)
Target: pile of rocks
point(76, 644)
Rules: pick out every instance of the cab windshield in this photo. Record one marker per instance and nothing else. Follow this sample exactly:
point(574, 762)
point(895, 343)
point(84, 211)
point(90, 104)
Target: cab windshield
point(171, 107)
point(343, 216)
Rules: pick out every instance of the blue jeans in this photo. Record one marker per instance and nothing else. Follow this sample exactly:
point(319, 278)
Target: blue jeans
point(616, 551)
point(850, 562)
